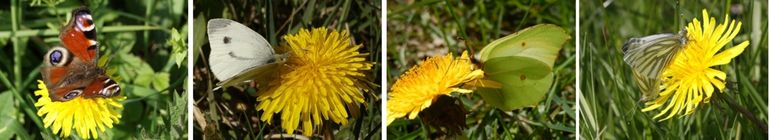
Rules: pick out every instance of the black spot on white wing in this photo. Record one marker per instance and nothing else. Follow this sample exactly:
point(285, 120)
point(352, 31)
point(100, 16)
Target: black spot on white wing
point(226, 39)
point(239, 57)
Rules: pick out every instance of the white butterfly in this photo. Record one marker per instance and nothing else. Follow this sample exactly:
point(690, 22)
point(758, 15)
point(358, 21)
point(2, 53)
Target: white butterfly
point(649, 56)
point(239, 54)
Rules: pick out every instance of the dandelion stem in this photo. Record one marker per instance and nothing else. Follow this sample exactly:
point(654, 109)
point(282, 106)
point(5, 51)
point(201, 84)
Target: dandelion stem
point(743, 111)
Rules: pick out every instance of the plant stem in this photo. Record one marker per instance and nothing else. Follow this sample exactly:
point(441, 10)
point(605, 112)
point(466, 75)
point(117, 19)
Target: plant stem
point(743, 111)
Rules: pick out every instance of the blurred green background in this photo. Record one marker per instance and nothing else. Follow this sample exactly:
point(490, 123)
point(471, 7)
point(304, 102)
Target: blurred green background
point(420, 29)
point(145, 40)
point(232, 114)
point(609, 102)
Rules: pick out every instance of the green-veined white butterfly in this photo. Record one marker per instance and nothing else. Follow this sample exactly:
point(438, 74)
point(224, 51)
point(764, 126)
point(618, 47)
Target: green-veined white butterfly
point(649, 56)
point(239, 54)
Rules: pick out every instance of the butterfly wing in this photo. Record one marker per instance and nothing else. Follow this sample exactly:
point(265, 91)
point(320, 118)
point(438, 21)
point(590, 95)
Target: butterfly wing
point(649, 56)
point(235, 48)
point(55, 73)
point(101, 86)
point(79, 36)
point(258, 72)
point(66, 76)
point(71, 71)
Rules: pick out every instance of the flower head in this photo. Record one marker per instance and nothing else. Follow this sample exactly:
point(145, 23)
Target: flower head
point(323, 74)
point(419, 87)
point(88, 116)
point(689, 80)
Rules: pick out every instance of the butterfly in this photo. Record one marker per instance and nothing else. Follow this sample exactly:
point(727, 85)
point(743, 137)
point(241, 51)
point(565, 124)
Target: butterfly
point(648, 56)
point(72, 71)
point(239, 54)
point(523, 63)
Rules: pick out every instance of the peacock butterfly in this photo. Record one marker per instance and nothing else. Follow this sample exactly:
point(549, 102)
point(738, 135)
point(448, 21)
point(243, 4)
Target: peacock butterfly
point(72, 70)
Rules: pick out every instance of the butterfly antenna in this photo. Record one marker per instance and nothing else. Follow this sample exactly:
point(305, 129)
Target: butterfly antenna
point(475, 57)
point(469, 46)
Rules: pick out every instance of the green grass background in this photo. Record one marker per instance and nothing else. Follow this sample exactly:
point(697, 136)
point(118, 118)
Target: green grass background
point(419, 29)
point(145, 40)
point(232, 114)
point(609, 107)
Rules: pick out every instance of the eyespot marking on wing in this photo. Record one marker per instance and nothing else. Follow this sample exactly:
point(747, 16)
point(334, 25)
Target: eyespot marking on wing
point(226, 39)
point(57, 56)
point(73, 93)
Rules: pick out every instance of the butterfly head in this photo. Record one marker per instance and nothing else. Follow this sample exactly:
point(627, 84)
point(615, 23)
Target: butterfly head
point(683, 37)
point(279, 58)
point(629, 43)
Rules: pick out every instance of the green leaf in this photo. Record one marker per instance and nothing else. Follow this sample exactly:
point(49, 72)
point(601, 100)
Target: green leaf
point(133, 68)
point(121, 43)
point(178, 46)
point(9, 125)
point(139, 91)
point(7, 103)
point(161, 81)
point(177, 114)
point(199, 35)
point(525, 81)
point(522, 62)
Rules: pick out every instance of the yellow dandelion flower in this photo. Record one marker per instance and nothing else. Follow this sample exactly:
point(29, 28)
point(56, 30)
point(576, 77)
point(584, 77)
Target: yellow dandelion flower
point(323, 74)
point(88, 116)
point(419, 87)
point(690, 76)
